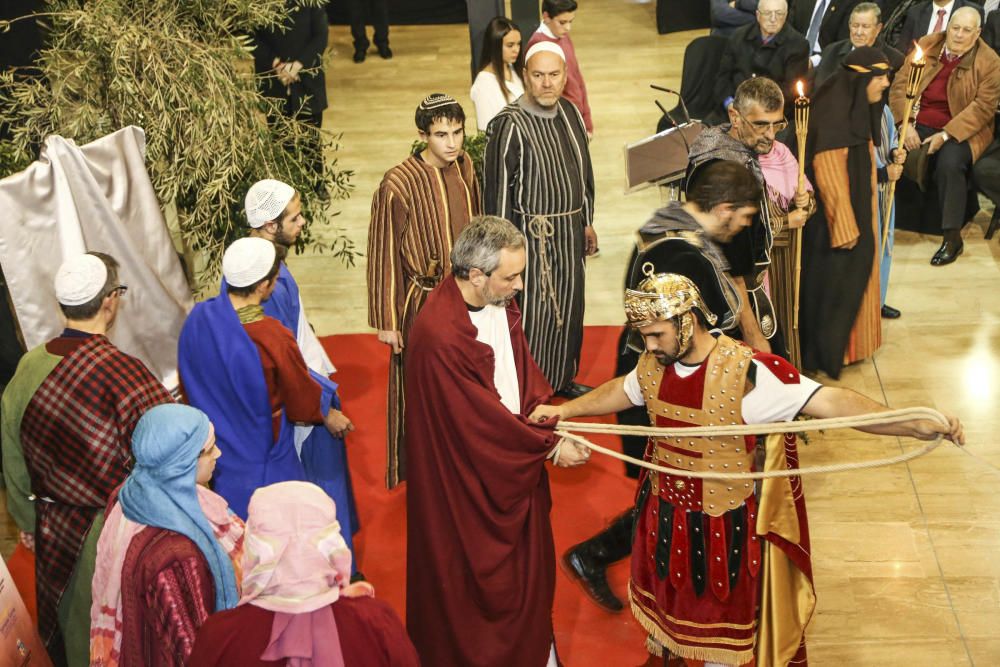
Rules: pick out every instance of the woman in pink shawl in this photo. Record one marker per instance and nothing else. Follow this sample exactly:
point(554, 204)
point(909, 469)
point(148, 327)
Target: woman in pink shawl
point(169, 552)
point(298, 608)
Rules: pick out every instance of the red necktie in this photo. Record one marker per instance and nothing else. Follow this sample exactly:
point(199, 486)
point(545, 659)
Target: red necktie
point(939, 26)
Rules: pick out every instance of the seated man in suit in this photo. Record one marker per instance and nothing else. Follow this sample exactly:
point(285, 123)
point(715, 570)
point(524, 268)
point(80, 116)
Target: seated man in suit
point(770, 47)
point(991, 30)
point(987, 169)
point(823, 22)
point(956, 117)
point(728, 15)
point(928, 17)
point(866, 27)
point(986, 173)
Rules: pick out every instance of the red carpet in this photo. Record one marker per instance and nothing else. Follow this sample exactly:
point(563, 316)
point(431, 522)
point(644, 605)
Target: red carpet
point(585, 499)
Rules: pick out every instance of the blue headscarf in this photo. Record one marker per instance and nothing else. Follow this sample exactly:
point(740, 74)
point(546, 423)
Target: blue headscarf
point(161, 491)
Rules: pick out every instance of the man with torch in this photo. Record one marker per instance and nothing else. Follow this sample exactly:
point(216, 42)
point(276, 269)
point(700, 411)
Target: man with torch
point(840, 313)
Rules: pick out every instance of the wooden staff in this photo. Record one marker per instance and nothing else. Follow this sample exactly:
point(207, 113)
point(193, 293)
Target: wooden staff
point(801, 132)
point(912, 81)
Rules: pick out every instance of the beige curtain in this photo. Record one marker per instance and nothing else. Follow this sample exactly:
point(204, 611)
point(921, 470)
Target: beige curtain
point(96, 197)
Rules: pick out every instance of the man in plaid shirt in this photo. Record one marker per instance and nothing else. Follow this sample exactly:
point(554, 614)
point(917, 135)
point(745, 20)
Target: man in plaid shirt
point(67, 421)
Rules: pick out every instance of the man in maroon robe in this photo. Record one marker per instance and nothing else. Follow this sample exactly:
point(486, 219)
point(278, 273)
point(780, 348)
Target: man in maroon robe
point(481, 561)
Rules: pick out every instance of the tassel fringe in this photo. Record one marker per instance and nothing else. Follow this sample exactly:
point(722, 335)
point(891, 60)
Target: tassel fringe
point(658, 636)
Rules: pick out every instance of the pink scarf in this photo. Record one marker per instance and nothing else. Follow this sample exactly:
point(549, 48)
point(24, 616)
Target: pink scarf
point(781, 173)
point(297, 564)
point(112, 546)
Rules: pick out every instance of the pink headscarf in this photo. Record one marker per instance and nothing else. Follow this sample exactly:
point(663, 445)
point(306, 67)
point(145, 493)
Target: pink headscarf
point(296, 564)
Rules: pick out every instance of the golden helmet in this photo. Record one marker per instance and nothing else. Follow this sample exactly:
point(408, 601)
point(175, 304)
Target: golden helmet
point(663, 296)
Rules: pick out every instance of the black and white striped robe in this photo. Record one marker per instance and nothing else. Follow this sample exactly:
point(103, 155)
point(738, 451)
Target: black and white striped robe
point(538, 175)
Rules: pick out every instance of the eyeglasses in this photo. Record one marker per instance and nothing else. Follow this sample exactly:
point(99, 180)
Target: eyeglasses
point(119, 291)
point(773, 15)
point(764, 125)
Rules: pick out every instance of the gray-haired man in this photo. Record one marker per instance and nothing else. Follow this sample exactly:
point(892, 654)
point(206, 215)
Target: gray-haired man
point(478, 501)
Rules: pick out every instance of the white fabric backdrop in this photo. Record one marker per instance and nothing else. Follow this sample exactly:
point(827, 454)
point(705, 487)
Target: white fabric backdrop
point(96, 197)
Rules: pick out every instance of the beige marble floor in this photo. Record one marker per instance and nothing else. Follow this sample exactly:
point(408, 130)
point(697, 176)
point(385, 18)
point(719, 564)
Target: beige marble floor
point(905, 561)
point(905, 557)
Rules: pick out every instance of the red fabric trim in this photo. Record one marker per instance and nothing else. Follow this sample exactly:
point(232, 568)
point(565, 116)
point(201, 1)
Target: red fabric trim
point(779, 368)
point(718, 557)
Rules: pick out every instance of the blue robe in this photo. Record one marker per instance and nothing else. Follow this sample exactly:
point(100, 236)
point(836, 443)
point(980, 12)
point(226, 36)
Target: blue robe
point(222, 375)
point(323, 455)
point(889, 142)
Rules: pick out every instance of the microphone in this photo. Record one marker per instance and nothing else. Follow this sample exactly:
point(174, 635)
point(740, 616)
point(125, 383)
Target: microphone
point(665, 90)
point(687, 116)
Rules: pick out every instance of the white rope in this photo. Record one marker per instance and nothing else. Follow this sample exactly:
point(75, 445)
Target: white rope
point(889, 417)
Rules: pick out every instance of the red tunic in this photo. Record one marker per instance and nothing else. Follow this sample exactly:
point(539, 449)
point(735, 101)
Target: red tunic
point(289, 384)
point(480, 558)
point(370, 635)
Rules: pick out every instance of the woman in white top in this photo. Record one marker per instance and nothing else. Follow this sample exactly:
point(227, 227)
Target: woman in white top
point(498, 82)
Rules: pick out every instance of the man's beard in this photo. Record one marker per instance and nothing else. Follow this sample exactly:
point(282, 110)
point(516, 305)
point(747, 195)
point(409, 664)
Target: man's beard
point(495, 299)
point(664, 359)
point(763, 146)
point(282, 238)
point(555, 102)
point(760, 146)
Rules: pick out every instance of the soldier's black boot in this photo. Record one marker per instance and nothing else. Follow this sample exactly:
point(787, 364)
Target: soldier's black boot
point(587, 562)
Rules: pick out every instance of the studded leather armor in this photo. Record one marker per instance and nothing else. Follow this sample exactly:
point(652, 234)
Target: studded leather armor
point(721, 401)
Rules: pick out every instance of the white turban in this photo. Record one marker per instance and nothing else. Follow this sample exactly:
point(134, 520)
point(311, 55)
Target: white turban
point(266, 200)
point(248, 260)
point(551, 47)
point(80, 279)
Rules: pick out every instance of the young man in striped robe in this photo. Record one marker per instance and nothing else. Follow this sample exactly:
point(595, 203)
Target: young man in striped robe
point(68, 417)
point(419, 209)
point(539, 176)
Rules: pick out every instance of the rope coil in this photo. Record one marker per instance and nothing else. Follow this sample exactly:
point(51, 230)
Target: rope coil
point(564, 428)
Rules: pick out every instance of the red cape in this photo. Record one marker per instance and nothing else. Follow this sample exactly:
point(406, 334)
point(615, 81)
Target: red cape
point(481, 563)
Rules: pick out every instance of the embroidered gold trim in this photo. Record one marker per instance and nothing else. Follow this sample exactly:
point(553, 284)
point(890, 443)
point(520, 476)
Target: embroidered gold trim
point(721, 655)
point(251, 313)
point(729, 626)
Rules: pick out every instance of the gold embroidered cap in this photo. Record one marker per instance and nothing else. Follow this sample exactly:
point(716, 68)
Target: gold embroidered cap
point(663, 296)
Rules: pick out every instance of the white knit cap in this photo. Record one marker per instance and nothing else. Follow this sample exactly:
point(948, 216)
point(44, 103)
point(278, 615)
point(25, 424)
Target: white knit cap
point(551, 47)
point(248, 260)
point(80, 279)
point(266, 200)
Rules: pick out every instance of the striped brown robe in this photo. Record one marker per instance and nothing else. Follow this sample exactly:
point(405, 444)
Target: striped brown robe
point(417, 212)
point(538, 175)
point(841, 316)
